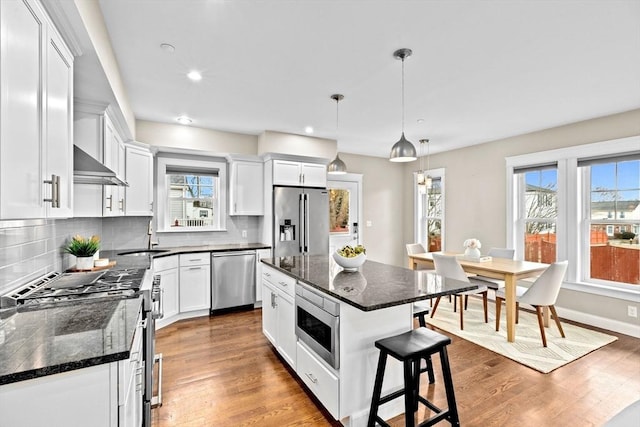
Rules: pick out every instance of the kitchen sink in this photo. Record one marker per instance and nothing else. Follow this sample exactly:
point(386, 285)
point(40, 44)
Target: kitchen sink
point(143, 252)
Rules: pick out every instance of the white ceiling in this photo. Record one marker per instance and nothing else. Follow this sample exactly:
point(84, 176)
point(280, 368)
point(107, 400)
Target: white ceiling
point(480, 70)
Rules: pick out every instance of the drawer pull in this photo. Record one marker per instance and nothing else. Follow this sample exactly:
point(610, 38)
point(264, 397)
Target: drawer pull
point(284, 283)
point(311, 377)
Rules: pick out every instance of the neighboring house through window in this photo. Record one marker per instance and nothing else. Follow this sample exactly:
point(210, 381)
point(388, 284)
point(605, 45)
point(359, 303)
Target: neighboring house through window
point(191, 193)
point(581, 204)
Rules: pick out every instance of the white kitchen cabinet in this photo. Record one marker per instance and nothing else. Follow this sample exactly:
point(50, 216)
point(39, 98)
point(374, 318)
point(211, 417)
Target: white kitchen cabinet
point(114, 159)
point(260, 253)
point(278, 313)
point(286, 172)
point(195, 282)
point(246, 191)
point(96, 134)
point(131, 383)
point(323, 383)
point(36, 94)
point(167, 269)
point(109, 395)
point(138, 199)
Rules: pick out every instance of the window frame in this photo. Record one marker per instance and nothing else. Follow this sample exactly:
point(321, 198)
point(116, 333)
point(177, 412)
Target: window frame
point(419, 232)
point(571, 241)
point(197, 166)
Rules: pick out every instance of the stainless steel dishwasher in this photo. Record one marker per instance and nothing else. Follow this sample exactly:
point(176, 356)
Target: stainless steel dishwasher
point(233, 279)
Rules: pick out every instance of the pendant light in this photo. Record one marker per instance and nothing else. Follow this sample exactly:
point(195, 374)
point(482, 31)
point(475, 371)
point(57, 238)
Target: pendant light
point(337, 166)
point(403, 150)
point(424, 182)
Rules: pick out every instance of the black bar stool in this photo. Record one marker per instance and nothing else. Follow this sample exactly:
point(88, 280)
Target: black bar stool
point(409, 348)
point(420, 312)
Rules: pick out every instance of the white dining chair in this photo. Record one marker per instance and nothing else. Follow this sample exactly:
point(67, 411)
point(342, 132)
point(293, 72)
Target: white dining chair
point(448, 266)
point(542, 293)
point(492, 283)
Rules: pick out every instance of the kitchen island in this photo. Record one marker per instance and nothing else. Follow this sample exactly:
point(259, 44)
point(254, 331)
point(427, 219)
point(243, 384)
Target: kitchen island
point(371, 303)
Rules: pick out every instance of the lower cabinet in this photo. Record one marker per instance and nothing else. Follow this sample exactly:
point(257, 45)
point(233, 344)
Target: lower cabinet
point(167, 269)
point(195, 282)
point(107, 395)
point(324, 384)
point(131, 384)
point(278, 313)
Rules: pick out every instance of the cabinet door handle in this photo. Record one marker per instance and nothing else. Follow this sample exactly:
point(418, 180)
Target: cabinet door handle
point(122, 204)
point(110, 206)
point(55, 191)
point(311, 377)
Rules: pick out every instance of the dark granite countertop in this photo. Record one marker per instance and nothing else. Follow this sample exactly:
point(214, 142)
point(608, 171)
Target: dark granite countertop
point(128, 261)
point(39, 342)
point(372, 287)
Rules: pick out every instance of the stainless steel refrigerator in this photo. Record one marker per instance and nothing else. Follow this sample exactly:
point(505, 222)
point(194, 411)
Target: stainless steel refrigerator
point(300, 221)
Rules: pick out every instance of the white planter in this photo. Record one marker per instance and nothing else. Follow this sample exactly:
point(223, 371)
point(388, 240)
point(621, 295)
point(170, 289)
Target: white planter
point(84, 262)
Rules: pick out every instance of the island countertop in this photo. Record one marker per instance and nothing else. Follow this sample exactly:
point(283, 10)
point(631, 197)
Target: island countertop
point(374, 286)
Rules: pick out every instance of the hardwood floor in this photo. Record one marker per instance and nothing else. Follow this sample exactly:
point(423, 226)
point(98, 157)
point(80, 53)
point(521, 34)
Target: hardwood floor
point(221, 371)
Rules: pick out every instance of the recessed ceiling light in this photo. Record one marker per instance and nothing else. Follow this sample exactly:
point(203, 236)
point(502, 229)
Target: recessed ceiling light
point(169, 48)
point(194, 75)
point(420, 121)
point(308, 129)
point(184, 120)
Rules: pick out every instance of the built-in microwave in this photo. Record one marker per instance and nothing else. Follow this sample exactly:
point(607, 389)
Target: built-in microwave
point(318, 323)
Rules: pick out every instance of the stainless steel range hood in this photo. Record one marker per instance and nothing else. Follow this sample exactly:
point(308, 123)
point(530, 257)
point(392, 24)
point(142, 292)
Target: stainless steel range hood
point(87, 170)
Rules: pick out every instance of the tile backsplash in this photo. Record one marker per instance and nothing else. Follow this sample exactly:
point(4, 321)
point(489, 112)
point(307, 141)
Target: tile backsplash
point(31, 248)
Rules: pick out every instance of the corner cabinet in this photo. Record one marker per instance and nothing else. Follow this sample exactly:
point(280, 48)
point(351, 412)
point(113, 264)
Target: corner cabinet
point(246, 190)
point(278, 312)
point(36, 94)
point(286, 172)
point(138, 199)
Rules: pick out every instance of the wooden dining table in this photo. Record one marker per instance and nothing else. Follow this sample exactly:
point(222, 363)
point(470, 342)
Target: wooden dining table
point(498, 268)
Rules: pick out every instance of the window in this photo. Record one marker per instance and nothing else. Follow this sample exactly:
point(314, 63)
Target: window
point(612, 219)
point(338, 210)
point(581, 204)
point(193, 200)
point(191, 194)
point(538, 212)
point(429, 212)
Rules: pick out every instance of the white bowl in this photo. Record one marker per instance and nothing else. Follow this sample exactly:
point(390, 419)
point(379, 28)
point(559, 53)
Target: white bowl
point(350, 264)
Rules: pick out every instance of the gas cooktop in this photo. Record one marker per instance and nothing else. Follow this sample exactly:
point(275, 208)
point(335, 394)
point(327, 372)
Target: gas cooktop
point(54, 288)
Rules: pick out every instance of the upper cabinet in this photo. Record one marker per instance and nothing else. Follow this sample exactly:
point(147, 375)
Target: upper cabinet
point(246, 190)
point(138, 200)
point(96, 133)
point(36, 133)
point(286, 172)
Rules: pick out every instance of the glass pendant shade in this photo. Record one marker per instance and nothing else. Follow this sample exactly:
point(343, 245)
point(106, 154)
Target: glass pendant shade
point(337, 167)
point(403, 151)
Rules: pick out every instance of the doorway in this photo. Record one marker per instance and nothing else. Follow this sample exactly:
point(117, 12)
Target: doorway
point(345, 200)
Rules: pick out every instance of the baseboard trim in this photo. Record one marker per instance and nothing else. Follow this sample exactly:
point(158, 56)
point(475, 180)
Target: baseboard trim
point(600, 322)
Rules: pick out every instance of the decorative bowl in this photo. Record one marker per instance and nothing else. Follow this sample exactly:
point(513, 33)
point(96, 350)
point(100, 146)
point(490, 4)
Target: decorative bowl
point(350, 264)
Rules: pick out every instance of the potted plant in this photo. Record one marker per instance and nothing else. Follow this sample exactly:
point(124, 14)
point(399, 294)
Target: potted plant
point(83, 249)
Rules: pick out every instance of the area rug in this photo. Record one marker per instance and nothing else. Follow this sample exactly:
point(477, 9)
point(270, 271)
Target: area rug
point(527, 348)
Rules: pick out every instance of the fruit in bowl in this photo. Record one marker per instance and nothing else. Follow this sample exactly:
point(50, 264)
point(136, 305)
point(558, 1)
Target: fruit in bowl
point(350, 257)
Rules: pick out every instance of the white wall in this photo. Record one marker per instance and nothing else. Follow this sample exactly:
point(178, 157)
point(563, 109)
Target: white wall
point(383, 200)
point(301, 145)
point(190, 137)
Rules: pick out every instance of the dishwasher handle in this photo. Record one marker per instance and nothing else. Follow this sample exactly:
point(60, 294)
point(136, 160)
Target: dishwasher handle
point(235, 253)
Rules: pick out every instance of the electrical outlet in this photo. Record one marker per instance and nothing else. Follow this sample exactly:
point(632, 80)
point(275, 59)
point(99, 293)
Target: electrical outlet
point(244, 233)
point(632, 311)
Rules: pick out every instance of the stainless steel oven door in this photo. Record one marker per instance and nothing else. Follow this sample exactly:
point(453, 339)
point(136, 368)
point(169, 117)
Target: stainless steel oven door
point(318, 329)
